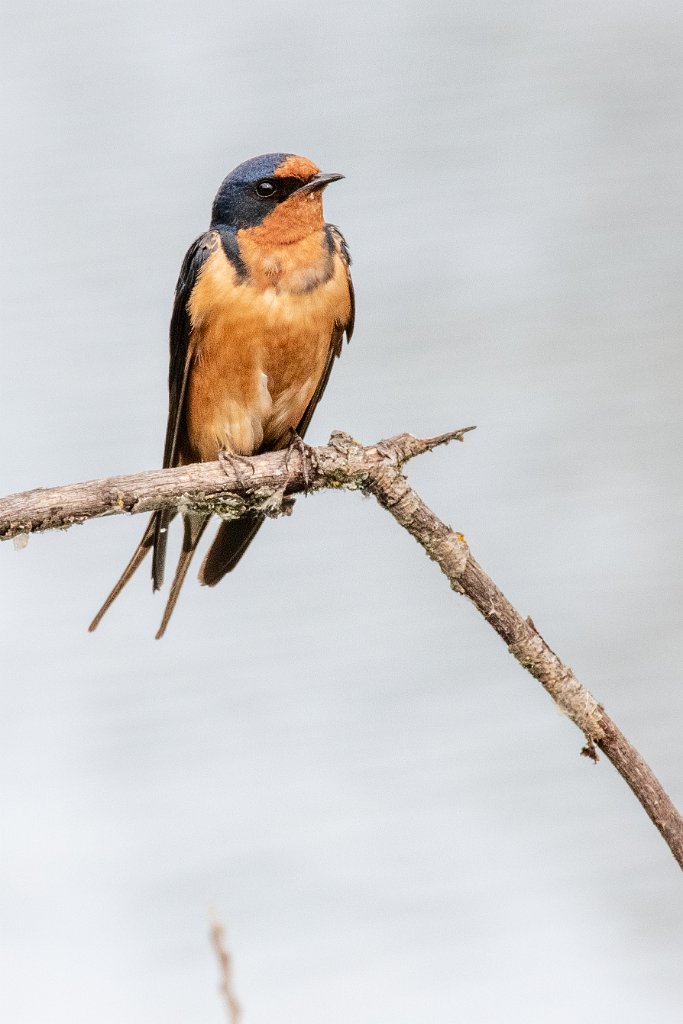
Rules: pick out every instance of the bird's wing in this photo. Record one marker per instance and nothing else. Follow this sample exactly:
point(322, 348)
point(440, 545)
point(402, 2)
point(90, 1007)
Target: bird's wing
point(340, 329)
point(180, 333)
point(155, 535)
point(178, 373)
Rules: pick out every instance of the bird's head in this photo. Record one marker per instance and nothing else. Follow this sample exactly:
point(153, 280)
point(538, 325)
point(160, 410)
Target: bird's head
point(277, 197)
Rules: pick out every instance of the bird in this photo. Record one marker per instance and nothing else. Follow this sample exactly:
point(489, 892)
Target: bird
point(262, 304)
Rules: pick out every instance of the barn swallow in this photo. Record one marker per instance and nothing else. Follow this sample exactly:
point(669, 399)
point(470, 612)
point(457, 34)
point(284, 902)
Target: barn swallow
point(262, 304)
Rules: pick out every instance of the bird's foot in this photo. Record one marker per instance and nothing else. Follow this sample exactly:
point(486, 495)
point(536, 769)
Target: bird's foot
point(306, 452)
point(227, 458)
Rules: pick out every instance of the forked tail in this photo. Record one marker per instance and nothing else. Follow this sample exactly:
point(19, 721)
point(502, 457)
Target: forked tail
point(141, 551)
point(230, 543)
point(194, 525)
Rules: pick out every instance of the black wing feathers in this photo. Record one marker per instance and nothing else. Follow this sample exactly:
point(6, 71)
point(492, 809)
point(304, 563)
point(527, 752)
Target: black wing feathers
point(179, 333)
point(334, 236)
point(178, 371)
point(157, 529)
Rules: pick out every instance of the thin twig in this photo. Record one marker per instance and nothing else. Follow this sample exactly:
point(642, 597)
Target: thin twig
point(373, 469)
point(232, 1007)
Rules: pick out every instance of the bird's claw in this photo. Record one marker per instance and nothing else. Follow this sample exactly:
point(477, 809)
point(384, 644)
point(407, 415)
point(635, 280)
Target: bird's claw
point(227, 458)
point(306, 452)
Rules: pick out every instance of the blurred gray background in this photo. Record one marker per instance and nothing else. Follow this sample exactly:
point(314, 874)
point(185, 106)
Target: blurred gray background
point(332, 749)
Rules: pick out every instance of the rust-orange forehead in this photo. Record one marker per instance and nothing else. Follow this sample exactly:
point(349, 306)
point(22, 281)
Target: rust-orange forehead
point(296, 167)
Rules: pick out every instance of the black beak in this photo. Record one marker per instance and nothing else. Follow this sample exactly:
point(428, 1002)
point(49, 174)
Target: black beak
point(319, 181)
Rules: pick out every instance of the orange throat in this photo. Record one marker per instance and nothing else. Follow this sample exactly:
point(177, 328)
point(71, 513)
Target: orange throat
point(290, 222)
point(288, 250)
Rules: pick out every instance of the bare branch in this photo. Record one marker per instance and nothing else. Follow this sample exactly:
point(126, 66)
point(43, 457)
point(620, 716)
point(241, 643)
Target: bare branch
point(230, 488)
point(266, 483)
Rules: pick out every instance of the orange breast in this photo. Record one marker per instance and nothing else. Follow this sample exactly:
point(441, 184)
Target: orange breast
point(260, 346)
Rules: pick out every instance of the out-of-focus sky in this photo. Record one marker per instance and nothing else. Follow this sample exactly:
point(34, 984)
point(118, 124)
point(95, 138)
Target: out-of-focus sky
point(331, 748)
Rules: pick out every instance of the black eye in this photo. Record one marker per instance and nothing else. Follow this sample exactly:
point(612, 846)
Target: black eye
point(266, 189)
